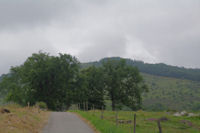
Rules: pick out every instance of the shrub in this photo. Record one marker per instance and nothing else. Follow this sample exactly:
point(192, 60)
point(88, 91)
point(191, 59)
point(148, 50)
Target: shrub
point(41, 105)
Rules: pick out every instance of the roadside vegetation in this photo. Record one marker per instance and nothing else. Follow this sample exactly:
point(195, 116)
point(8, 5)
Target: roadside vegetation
point(145, 122)
point(19, 119)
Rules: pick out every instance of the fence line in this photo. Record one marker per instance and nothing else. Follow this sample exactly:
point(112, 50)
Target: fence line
point(91, 108)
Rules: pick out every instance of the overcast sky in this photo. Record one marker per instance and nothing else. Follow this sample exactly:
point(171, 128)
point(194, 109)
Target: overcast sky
point(154, 31)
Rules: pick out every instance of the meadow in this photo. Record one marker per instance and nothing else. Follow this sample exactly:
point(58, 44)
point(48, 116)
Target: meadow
point(145, 122)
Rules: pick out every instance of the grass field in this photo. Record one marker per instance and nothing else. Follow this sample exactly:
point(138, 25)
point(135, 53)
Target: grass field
point(22, 120)
point(144, 122)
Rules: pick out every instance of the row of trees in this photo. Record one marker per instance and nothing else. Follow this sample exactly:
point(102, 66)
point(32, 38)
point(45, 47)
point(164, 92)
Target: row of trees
point(59, 81)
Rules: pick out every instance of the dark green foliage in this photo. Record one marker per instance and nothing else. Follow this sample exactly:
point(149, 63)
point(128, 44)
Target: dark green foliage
point(160, 69)
point(123, 83)
point(95, 84)
point(3, 87)
point(115, 81)
point(41, 105)
point(43, 78)
point(58, 81)
point(9, 85)
point(196, 106)
point(90, 88)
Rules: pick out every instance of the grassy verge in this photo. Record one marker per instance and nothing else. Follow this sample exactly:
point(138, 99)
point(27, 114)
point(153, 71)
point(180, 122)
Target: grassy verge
point(22, 120)
point(145, 122)
point(103, 126)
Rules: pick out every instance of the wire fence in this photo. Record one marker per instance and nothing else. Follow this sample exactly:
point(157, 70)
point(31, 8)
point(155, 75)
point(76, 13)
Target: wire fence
point(123, 119)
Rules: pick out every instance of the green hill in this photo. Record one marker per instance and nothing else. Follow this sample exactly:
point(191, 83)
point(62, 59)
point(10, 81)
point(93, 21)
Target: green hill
point(160, 69)
point(170, 87)
point(171, 93)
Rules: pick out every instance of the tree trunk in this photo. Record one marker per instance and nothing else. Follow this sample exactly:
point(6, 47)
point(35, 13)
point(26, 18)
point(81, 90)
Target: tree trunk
point(113, 104)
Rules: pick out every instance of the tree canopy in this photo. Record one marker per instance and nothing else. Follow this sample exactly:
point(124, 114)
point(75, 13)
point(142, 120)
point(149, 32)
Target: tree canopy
point(91, 89)
point(123, 83)
point(44, 78)
point(59, 82)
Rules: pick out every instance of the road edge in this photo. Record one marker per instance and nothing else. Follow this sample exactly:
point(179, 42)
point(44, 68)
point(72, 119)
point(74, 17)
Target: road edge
point(87, 122)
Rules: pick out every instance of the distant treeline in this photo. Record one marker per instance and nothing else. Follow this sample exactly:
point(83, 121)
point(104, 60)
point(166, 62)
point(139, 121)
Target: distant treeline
point(160, 69)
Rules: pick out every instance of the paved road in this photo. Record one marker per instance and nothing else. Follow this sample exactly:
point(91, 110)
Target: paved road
point(66, 122)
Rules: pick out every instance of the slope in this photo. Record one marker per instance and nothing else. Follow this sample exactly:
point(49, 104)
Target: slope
point(160, 69)
point(171, 93)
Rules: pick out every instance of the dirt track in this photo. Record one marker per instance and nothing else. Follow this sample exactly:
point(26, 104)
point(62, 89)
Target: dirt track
point(66, 122)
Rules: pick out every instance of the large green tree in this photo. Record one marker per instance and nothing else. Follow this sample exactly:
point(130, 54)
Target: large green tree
point(95, 86)
point(44, 78)
point(123, 83)
point(90, 88)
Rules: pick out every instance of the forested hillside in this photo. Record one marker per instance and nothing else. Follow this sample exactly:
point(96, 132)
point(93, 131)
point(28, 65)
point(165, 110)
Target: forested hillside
point(157, 69)
point(171, 93)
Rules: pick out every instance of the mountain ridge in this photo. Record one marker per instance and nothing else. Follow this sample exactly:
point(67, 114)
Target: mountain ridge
point(159, 69)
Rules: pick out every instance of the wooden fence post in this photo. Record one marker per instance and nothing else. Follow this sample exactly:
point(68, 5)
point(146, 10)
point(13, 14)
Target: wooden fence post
point(87, 106)
point(28, 104)
point(134, 128)
point(159, 126)
point(116, 118)
point(93, 109)
point(83, 106)
point(102, 112)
